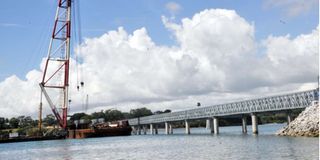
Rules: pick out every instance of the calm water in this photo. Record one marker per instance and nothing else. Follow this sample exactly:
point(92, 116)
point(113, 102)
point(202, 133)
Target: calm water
point(200, 145)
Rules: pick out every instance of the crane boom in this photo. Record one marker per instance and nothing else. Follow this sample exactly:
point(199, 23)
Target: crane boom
point(55, 80)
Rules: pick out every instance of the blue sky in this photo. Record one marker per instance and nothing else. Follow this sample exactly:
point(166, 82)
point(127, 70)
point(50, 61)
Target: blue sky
point(154, 59)
point(25, 26)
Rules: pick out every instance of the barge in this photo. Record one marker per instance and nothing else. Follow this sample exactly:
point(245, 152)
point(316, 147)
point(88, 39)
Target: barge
point(104, 129)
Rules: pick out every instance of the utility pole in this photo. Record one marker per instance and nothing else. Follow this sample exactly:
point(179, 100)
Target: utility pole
point(40, 114)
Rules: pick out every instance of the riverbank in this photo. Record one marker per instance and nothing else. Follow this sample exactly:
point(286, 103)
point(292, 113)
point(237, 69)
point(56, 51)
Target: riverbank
point(306, 124)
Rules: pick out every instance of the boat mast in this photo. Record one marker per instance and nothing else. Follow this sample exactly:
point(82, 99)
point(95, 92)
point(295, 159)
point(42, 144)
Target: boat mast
point(55, 80)
point(40, 114)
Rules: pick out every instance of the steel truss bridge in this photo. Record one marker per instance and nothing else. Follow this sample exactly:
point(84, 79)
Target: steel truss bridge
point(266, 104)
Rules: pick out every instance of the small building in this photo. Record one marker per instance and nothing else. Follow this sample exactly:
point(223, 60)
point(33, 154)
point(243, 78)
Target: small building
point(13, 135)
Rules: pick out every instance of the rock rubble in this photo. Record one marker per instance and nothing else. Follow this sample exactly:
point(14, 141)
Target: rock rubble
point(306, 124)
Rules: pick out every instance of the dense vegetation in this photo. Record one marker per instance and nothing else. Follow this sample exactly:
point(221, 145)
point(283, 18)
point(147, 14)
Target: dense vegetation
point(113, 115)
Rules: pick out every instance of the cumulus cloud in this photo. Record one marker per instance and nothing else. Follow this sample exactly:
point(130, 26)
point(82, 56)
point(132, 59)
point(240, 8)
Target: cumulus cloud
point(214, 62)
point(290, 57)
point(19, 97)
point(173, 7)
point(292, 7)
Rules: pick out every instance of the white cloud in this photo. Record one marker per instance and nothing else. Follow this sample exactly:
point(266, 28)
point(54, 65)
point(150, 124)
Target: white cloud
point(295, 59)
point(9, 25)
point(214, 62)
point(292, 7)
point(18, 96)
point(173, 7)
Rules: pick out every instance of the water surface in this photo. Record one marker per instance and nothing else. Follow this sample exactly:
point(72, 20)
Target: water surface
point(200, 145)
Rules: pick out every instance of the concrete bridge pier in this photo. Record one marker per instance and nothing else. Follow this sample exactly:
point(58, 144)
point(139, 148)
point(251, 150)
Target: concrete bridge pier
point(155, 129)
point(187, 126)
point(170, 129)
point(166, 124)
point(144, 129)
point(211, 125)
point(244, 124)
point(151, 129)
point(254, 121)
point(134, 131)
point(215, 125)
point(208, 124)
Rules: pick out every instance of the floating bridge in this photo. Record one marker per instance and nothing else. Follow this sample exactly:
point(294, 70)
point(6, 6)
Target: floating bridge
point(278, 103)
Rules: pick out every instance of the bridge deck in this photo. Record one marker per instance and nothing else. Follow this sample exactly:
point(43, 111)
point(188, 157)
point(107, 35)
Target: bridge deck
point(273, 103)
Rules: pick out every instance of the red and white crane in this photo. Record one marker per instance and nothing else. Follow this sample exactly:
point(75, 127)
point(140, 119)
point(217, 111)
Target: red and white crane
point(55, 80)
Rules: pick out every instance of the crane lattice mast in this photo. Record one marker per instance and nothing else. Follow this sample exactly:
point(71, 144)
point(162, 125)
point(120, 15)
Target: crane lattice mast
point(55, 80)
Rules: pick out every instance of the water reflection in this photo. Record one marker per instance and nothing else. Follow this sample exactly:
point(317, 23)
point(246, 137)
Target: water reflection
point(200, 145)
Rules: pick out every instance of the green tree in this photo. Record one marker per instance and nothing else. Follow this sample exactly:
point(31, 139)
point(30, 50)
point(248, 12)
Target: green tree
point(97, 115)
point(161, 112)
point(14, 122)
point(86, 117)
point(126, 115)
point(157, 112)
point(140, 112)
point(2, 123)
point(77, 116)
point(49, 120)
point(113, 115)
point(25, 121)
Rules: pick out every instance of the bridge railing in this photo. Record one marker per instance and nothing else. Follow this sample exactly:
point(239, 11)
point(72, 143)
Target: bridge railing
point(272, 103)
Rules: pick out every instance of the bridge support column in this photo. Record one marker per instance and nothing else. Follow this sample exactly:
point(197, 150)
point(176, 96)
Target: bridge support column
point(254, 121)
point(170, 129)
point(244, 124)
point(211, 125)
point(215, 125)
point(166, 127)
point(139, 130)
point(187, 126)
point(134, 131)
point(289, 117)
point(155, 129)
point(144, 129)
point(208, 124)
point(151, 129)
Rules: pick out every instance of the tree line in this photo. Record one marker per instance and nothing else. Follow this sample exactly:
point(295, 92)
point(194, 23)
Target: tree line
point(24, 122)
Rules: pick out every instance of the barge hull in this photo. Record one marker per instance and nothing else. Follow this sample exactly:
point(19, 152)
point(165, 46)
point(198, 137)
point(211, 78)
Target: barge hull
point(105, 132)
point(12, 140)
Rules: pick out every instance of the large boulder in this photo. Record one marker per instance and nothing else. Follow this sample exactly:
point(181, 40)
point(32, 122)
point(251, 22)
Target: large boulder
point(306, 124)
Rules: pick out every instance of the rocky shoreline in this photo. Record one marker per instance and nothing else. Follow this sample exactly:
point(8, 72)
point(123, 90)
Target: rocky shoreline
point(306, 124)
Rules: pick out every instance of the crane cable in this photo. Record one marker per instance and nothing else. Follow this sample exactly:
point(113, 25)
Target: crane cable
point(78, 40)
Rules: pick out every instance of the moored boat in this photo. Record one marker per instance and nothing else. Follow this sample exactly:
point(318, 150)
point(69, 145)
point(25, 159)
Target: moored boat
point(104, 129)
